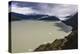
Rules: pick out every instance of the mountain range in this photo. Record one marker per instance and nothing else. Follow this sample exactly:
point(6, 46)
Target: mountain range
point(16, 17)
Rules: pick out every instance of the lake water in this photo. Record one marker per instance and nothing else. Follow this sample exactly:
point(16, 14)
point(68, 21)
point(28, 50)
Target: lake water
point(27, 35)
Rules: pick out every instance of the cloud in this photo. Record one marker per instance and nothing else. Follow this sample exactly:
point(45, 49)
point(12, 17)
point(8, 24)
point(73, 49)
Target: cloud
point(61, 11)
point(58, 10)
point(24, 10)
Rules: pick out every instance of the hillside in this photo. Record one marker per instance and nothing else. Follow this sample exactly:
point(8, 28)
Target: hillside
point(68, 42)
point(73, 21)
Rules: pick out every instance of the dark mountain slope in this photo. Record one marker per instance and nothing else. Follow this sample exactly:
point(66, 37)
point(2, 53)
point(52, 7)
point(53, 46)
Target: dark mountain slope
point(73, 21)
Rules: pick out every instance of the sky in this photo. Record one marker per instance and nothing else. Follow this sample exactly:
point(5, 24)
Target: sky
point(51, 9)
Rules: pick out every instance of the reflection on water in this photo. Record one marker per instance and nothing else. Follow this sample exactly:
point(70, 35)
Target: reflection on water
point(27, 35)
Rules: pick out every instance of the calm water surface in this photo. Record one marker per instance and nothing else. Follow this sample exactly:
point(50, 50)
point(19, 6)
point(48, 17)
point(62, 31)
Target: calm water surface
point(28, 35)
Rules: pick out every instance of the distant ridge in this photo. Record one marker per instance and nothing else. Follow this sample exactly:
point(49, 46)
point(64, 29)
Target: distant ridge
point(15, 17)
